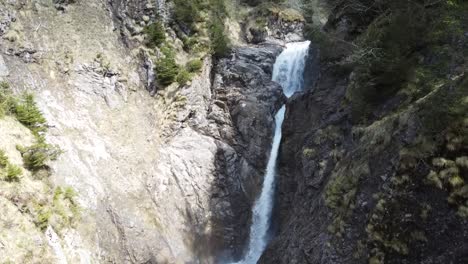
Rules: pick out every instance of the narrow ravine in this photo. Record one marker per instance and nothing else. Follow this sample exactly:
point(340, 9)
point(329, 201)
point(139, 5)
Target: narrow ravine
point(288, 72)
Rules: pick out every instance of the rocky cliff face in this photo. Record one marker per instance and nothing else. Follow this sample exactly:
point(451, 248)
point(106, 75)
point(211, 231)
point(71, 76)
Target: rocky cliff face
point(364, 192)
point(243, 88)
point(163, 179)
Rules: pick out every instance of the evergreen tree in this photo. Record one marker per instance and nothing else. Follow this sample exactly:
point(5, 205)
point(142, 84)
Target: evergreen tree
point(156, 34)
point(166, 68)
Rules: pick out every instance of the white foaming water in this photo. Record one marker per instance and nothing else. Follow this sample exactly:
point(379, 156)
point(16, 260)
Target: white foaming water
point(289, 67)
point(288, 71)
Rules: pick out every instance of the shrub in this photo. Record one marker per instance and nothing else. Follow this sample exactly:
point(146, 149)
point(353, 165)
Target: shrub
point(13, 173)
point(219, 40)
point(156, 34)
point(60, 204)
point(27, 112)
point(194, 65)
point(36, 156)
point(190, 43)
point(386, 57)
point(43, 217)
point(166, 68)
point(186, 12)
point(183, 77)
point(57, 193)
point(25, 109)
point(69, 194)
point(3, 159)
point(309, 153)
point(218, 8)
point(445, 109)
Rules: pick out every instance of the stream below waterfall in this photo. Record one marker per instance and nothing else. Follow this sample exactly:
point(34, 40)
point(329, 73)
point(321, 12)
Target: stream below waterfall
point(288, 71)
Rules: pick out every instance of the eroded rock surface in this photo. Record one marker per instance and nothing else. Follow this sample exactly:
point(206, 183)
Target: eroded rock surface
point(163, 179)
point(367, 191)
point(243, 90)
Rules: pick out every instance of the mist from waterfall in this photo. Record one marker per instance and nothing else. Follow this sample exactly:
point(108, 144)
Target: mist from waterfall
point(288, 71)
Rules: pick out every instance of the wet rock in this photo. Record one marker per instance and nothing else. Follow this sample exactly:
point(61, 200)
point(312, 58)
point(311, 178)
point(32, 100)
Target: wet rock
point(245, 103)
point(325, 159)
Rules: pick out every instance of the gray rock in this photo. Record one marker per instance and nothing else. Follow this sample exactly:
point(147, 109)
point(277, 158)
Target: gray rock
point(276, 29)
point(6, 18)
point(169, 178)
point(243, 90)
point(3, 68)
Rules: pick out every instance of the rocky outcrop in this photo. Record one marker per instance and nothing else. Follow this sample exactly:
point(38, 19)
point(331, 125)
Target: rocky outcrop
point(6, 17)
point(275, 24)
point(315, 137)
point(329, 166)
point(210, 156)
point(351, 192)
point(132, 16)
point(244, 92)
point(163, 179)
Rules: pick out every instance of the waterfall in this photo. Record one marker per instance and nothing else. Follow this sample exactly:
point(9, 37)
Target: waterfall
point(289, 67)
point(288, 71)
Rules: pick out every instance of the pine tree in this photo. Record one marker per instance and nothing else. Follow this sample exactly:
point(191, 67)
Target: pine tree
point(166, 68)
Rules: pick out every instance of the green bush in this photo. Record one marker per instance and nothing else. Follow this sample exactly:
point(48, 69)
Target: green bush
point(43, 217)
point(13, 173)
point(3, 159)
point(194, 65)
point(61, 195)
point(186, 12)
point(57, 193)
point(183, 77)
point(166, 68)
point(156, 34)
point(219, 41)
point(10, 172)
point(25, 109)
point(36, 156)
point(69, 194)
point(387, 57)
point(218, 9)
point(190, 43)
point(446, 108)
point(27, 112)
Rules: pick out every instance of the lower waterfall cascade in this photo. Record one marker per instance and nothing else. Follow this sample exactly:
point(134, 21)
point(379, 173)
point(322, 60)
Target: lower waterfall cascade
point(288, 72)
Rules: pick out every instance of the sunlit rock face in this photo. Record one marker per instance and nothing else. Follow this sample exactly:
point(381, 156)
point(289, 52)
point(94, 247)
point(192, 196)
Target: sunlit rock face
point(161, 176)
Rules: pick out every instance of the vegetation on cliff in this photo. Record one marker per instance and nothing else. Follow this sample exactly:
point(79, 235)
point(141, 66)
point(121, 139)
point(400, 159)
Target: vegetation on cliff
point(406, 66)
point(200, 26)
point(26, 186)
point(156, 34)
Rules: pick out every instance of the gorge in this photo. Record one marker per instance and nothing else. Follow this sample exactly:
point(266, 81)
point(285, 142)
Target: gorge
point(234, 131)
point(288, 71)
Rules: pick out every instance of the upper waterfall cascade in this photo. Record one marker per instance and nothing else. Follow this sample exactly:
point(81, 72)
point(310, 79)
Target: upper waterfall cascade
point(288, 71)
